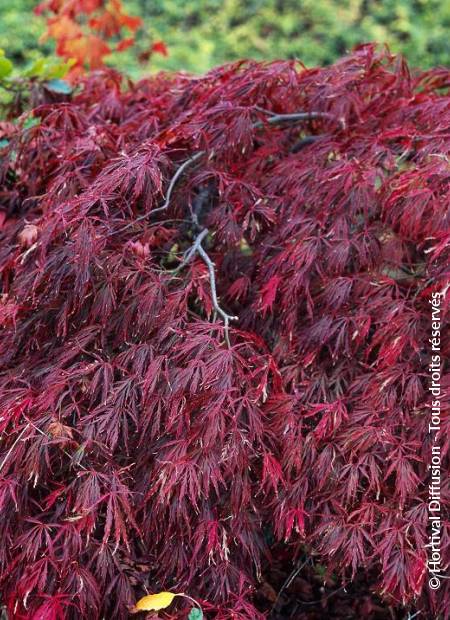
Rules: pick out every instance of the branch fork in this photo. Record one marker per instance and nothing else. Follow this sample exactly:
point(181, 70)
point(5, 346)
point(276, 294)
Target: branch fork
point(197, 248)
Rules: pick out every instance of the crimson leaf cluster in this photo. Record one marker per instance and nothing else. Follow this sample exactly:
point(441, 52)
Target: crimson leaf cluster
point(148, 442)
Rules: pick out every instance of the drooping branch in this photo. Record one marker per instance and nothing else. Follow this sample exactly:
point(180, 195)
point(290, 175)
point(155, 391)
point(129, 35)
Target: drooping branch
point(190, 252)
point(272, 120)
point(212, 279)
point(173, 181)
point(176, 176)
point(306, 141)
point(297, 117)
point(197, 248)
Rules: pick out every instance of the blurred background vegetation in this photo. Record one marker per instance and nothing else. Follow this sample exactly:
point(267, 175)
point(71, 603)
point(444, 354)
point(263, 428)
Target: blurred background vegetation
point(202, 33)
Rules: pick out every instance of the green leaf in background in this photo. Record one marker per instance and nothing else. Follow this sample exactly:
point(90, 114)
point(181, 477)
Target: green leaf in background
point(59, 86)
point(48, 69)
point(36, 69)
point(3, 142)
point(57, 70)
point(30, 122)
point(195, 614)
point(6, 67)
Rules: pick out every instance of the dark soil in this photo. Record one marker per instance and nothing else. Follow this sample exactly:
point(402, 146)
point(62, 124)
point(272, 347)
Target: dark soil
point(305, 592)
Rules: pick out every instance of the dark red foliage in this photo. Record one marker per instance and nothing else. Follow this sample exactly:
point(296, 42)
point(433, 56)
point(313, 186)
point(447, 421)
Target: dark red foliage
point(142, 453)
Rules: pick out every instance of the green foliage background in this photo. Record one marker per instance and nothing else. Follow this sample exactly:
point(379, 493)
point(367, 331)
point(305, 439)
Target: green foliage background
point(204, 33)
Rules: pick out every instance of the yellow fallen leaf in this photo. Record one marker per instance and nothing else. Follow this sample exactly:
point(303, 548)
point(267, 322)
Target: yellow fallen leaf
point(153, 602)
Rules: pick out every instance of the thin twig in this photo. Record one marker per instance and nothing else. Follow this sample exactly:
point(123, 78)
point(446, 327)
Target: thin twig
point(130, 225)
point(27, 252)
point(212, 280)
point(143, 217)
point(173, 181)
point(264, 111)
point(189, 254)
point(197, 207)
point(197, 248)
point(306, 141)
point(324, 598)
point(288, 582)
point(272, 120)
point(175, 178)
point(18, 438)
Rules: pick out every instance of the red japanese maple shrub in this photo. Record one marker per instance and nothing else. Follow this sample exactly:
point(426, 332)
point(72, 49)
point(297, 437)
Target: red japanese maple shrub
point(151, 441)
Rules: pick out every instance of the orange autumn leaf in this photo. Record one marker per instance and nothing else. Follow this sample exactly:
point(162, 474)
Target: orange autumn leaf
point(125, 44)
point(107, 24)
point(110, 23)
point(89, 50)
point(159, 47)
point(131, 22)
point(89, 6)
point(82, 28)
point(68, 7)
point(62, 27)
